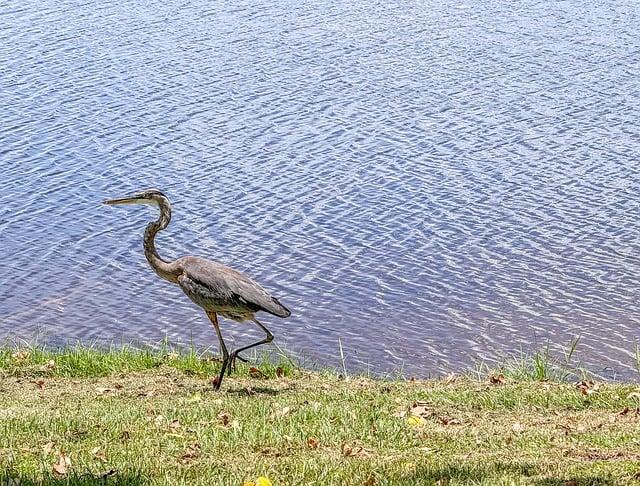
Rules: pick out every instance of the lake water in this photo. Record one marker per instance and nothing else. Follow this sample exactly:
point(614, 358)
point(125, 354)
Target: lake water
point(431, 183)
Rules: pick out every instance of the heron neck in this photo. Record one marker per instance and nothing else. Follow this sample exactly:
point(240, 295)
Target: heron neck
point(166, 270)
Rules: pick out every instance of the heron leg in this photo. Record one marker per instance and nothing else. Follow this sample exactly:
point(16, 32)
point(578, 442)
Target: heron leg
point(225, 354)
point(266, 340)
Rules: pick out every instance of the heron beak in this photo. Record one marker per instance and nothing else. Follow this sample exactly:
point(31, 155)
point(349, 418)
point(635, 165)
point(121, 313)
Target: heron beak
point(125, 200)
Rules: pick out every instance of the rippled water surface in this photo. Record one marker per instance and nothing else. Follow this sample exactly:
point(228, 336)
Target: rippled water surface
point(432, 183)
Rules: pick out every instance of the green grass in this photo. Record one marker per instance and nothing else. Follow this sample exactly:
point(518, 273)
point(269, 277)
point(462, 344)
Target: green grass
point(125, 416)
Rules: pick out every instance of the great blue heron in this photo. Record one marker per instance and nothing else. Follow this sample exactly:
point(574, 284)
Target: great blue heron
point(211, 285)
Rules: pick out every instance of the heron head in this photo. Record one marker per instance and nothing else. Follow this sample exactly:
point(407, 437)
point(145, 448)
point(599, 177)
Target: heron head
point(148, 196)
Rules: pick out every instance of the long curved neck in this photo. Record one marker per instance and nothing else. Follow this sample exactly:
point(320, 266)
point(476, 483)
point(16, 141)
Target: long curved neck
point(166, 270)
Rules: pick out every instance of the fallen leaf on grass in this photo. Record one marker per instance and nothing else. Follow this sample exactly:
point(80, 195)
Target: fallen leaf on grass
point(98, 454)
point(192, 452)
point(449, 421)
point(627, 410)
point(416, 421)
point(351, 450)
point(370, 481)
point(498, 379)
point(279, 371)
point(587, 387)
point(421, 409)
point(418, 413)
point(312, 443)
point(40, 384)
point(224, 418)
point(255, 373)
point(64, 463)
point(47, 448)
point(175, 425)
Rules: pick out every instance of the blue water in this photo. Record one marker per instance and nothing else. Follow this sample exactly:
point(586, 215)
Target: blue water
point(431, 183)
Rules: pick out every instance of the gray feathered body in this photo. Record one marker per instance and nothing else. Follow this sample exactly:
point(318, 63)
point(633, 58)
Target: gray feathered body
point(223, 290)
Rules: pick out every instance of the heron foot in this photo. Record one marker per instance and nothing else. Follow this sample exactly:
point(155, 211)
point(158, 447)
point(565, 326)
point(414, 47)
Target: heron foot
point(232, 362)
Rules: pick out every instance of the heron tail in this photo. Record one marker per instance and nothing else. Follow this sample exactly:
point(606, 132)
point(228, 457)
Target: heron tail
point(279, 309)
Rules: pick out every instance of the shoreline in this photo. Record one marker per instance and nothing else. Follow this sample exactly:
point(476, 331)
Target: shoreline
point(134, 417)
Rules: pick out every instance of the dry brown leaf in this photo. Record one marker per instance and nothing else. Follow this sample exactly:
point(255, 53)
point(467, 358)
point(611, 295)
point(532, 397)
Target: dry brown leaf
point(449, 421)
point(192, 452)
point(498, 379)
point(224, 418)
point(255, 372)
point(312, 443)
point(370, 481)
point(627, 410)
point(62, 466)
point(421, 409)
point(98, 454)
point(175, 425)
point(587, 387)
point(279, 371)
point(351, 450)
point(40, 384)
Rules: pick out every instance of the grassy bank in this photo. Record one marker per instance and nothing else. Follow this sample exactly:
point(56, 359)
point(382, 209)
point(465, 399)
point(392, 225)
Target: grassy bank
point(128, 417)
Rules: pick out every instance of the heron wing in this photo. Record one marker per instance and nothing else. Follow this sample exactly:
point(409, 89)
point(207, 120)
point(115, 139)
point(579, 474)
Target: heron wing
point(225, 287)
